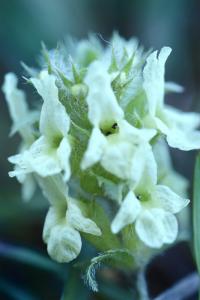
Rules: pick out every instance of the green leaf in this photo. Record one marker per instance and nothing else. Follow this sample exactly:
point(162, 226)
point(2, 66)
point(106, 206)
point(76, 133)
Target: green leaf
point(45, 54)
point(196, 212)
point(74, 288)
point(29, 257)
point(68, 83)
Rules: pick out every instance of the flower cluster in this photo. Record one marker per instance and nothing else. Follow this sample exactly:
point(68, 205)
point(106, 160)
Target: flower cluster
point(98, 146)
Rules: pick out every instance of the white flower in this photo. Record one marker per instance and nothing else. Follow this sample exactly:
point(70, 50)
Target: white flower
point(21, 116)
point(179, 127)
point(166, 173)
point(120, 148)
point(49, 154)
point(22, 122)
point(151, 207)
point(61, 231)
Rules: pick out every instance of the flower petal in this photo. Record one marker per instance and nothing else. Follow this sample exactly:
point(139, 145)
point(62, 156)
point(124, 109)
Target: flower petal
point(53, 217)
point(43, 159)
point(166, 199)
point(154, 78)
point(64, 243)
point(18, 108)
point(128, 212)
point(185, 141)
point(156, 227)
point(28, 187)
point(95, 149)
point(76, 219)
point(54, 120)
point(101, 100)
point(63, 154)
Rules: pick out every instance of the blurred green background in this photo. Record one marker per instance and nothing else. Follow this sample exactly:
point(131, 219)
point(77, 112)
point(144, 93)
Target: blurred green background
point(23, 25)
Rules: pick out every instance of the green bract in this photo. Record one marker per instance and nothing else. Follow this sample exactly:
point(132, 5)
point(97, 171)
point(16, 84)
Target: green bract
point(100, 151)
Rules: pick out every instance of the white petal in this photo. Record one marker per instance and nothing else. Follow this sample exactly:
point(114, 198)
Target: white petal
point(43, 158)
point(28, 187)
point(54, 120)
point(53, 217)
point(76, 219)
point(95, 149)
point(118, 156)
point(185, 120)
point(156, 227)
point(144, 166)
point(153, 73)
point(18, 108)
point(22, 165)
point(179, 127)
point(63, 154)
point(137, 135)
point(64, 243)
point(166, 199)
point(127, 213)
point(185, 141)
point(102, 103)
point(172, 87)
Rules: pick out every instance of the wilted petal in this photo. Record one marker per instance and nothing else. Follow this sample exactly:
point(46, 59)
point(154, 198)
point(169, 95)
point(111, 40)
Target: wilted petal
point(127, 214)
point(153, 73)
point(76, 219)
point(156, 227)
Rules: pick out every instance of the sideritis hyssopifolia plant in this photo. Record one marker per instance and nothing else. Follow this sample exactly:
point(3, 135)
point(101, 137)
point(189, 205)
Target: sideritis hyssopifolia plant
point(98, 148)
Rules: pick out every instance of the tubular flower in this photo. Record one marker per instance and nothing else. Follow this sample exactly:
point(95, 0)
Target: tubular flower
point(61, 231)
point(152, 210)
point(49, 154)
point(22, 119)
point(121, 148)
point(179, 127)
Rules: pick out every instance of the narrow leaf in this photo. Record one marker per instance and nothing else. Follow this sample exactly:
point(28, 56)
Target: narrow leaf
point(196, 212)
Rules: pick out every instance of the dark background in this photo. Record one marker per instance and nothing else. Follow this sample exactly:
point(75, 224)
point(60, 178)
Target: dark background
point(23, 25)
